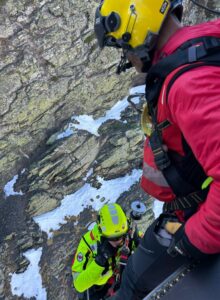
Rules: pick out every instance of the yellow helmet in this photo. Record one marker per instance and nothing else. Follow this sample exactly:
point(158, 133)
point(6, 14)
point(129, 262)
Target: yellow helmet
point(112, 221)
point(132, 24)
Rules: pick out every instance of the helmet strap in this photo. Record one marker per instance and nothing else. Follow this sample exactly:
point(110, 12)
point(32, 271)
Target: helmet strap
point(123, 64)
point(147, 61)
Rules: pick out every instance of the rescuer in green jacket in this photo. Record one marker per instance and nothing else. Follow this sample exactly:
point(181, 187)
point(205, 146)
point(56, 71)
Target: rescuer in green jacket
point(103, 252)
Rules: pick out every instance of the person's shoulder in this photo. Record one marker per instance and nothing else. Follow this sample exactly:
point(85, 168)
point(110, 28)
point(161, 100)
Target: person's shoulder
point(186, 33)
point(91, 236)
point(195, 81)
point(95, 233)
point(192, 90)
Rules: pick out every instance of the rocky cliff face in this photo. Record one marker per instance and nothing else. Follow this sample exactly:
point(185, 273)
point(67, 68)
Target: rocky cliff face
point(194, 14)
point(51, 69)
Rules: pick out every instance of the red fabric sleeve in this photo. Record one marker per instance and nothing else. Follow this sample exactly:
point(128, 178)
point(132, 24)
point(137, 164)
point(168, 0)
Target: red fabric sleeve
point(194, 105)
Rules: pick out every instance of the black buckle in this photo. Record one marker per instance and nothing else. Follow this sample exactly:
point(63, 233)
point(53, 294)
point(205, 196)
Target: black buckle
point(192, 54)
point(161, 159)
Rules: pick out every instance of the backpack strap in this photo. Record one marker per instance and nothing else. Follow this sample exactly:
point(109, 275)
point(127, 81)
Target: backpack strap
point(192, 54)
point(205, 49)
point(188, 68)
point(87, 244)
point(87, 253)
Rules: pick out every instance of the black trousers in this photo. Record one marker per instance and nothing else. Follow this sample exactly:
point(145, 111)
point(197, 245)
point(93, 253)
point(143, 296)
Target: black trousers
point(146, 268)
point(96, 292)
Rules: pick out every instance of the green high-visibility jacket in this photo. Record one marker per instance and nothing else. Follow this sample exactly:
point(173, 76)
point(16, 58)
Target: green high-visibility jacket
point(85, 271)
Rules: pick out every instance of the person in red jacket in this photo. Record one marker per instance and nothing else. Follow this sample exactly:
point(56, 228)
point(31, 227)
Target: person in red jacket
point(182, 152)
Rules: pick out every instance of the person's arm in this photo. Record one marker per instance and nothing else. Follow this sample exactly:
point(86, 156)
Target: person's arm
point(84, 275)
point(87, 278)
point(87, 274)
point(194, 104)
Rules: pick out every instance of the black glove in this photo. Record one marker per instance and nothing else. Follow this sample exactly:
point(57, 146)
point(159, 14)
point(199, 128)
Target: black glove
point(104, 251)
point(180, 244)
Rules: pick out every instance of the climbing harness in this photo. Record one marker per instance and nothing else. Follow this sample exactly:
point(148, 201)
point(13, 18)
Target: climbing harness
point(203, 51)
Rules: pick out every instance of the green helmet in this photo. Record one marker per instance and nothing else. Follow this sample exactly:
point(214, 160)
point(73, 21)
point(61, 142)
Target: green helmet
point(112, 221)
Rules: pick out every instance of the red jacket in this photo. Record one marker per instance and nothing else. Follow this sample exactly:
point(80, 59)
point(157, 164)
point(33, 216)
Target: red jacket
point(193, 109)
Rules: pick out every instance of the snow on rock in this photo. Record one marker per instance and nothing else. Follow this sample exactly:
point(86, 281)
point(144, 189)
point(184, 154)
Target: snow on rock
point(89, 173)
point(29, 283)
point(88, 123)
point(73, 204)
point(66, 133)
point(137, 90)
point(157, 208)
point(9, 187)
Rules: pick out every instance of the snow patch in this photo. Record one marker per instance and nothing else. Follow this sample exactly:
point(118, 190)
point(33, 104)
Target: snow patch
point(66, 133)
point(140, 89)
point(91, 225)
point(88, 123)
point(157, 208)
point(29, 283)
point(75, 203)
point(9, 187)
point(89, 173)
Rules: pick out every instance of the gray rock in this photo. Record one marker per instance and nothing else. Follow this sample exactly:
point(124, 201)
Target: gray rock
point(2, 283)
point(51, 68)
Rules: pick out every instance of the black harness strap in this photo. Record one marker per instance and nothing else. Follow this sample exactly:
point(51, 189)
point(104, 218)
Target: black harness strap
point(179, 185)
point(195, 50)
point(203, 51)
point(163, 125)
point(86, 261)
point(182, 203)
point(87, 253)
point(113, 264)
point(87, 243)
point(185, 69)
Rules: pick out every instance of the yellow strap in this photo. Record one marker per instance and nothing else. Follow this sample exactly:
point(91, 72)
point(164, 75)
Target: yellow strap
point(146, 122)
point(172, 227)
point(207, 182)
